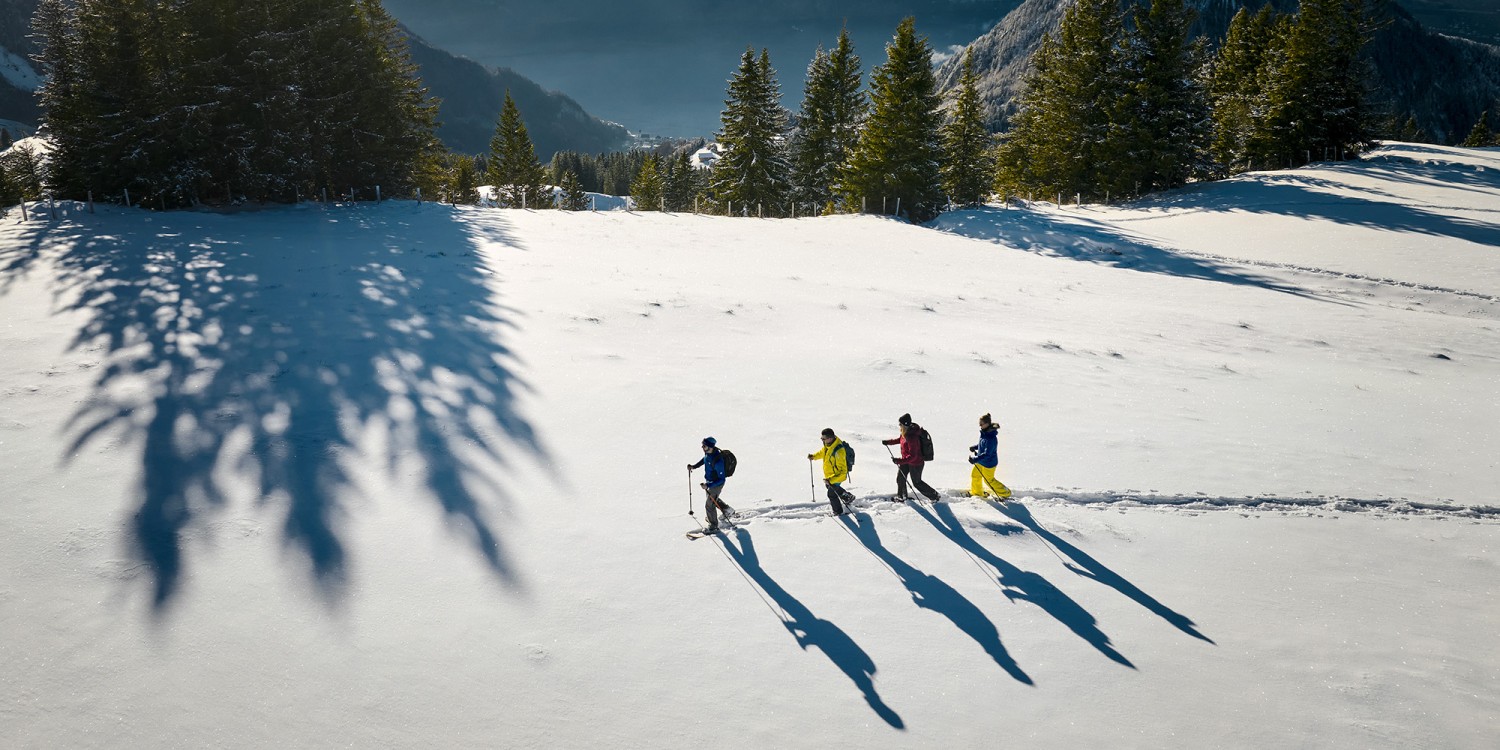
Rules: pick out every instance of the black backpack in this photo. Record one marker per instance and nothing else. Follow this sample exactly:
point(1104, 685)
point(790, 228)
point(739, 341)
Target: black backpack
point(926, 440)
point(849, 457)
point(729, 463)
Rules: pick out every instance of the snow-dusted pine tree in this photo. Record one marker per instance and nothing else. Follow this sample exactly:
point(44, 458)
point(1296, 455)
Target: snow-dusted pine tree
point(969, 165)
point(1481, 135)
point(573, 196)
point(1237, 89)
point(513, 167)
point(833, 107)
point(898, 159)
point(1063, 140)
point(754, 173)
point(648, 191)
point(1165, 113)
point(1316, 100)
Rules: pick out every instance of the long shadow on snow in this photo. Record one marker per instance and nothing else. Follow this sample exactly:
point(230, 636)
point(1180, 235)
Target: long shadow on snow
point(1026, 585)
point(1081, 238)
point(1088, 567)
point(1301, 195)
point(375, 322)
point(930, 592)
point(810, 630)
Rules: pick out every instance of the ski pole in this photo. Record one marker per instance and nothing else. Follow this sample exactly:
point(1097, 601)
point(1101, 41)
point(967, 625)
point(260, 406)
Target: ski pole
point(812, 488)
point(690, 492)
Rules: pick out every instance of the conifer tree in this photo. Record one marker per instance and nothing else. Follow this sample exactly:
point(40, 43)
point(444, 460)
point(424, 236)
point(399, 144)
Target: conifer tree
point(1165, 109)
point(754, 170)
point(649, 189)
point(833, 107)
point(513, 167)
point(681, 183)
point(22, 173)
point(1315, 97)
point(1412, 131)
point(1237, 88)
point(208, 101)
point(1480, 135)
point(968, 168)
point(899, 155)
point(1064, 138)
point(463, 181)
point(5, 139)
point(574, 198)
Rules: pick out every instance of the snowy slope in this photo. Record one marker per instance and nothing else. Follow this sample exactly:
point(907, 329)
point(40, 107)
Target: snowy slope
point(407, 475)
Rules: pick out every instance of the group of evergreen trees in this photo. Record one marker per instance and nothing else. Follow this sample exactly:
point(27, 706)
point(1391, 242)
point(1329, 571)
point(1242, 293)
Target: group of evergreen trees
point(218, 100)
point(845, 149)
point(1122, 100)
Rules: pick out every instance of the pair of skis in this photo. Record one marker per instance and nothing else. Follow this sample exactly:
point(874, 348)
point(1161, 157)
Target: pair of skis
point(726, 519)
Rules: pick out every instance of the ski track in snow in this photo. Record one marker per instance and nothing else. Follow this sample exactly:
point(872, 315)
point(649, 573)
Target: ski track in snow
point(1310, 505)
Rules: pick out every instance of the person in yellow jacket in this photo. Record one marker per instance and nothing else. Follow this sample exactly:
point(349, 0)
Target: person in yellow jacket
point(836, 467)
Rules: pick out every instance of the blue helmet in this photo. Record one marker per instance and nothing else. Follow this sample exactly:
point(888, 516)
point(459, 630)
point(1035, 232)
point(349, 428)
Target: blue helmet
point(710, 442)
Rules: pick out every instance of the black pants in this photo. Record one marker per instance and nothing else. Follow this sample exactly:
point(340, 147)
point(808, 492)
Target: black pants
point(916, 481)
point(839, 498)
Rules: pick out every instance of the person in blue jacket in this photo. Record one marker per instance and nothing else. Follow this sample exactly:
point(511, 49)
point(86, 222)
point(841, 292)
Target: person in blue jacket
point(713, 483)
point(986, 457)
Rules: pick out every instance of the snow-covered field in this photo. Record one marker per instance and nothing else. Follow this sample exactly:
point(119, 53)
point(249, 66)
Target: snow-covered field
point(413, 476)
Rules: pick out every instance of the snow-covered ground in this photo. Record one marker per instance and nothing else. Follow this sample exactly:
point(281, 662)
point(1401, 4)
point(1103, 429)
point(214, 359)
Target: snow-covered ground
point(413, 476)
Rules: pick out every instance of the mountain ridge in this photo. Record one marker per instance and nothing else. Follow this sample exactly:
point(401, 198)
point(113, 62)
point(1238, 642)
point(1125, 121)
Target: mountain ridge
point(1444, 81)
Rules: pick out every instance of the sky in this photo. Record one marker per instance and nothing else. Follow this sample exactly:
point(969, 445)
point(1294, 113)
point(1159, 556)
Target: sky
point(661, 66)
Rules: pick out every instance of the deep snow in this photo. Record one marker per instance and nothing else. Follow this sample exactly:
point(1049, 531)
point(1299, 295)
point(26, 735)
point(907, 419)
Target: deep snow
point(407, 475)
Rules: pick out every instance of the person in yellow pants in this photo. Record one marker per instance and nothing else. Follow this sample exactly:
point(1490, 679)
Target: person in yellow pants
point(986, 457)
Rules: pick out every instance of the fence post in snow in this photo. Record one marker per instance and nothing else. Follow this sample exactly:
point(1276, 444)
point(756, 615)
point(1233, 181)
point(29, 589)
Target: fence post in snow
point(24, 216)
point(760, 212)
point(1077, 200)
point(862, 208)
point(730, 211)
point(325, 195)
point(695, 205)
point(127, 197)
point(882, 205)
point(377, 193)
point(898, 206)
point(664, 204)
point(419, 196)
point(91, 201)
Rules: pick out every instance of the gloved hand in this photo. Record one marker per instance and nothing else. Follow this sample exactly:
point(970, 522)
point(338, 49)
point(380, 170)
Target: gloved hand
point(971, 459)
point(896, 461)
point(811, 457)
point(973, 449)
point(704, 485)
point(690, 467)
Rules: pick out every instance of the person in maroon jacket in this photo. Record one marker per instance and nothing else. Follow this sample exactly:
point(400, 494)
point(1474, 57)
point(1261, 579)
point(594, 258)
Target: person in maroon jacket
point(910, 462)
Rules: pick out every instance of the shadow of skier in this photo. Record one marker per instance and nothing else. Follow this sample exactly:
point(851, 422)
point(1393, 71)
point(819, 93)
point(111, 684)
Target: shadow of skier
point(1026, 585)
point(809, 629)
point(1088, 567)
point(930, 592)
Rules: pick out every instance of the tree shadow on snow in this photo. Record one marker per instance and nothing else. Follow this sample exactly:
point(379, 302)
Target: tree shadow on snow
point(1086, 566)
point(932, 593)
point(1306, 196)
point(221, 345)
point(1024, 584)
point(810, 630)
point(1080, 238)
